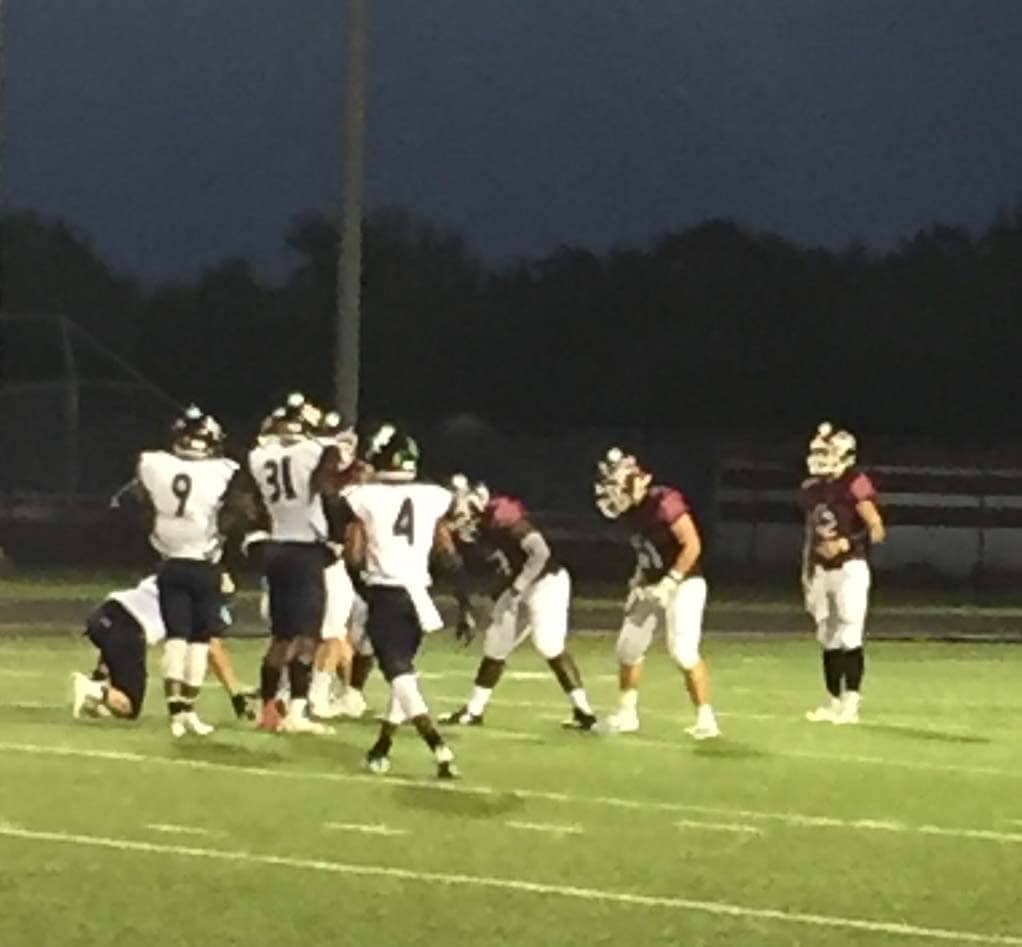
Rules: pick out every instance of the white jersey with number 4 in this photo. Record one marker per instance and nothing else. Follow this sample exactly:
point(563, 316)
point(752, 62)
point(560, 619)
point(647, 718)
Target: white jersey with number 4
point(284, 474)
point(400, 522)
point(187, 496)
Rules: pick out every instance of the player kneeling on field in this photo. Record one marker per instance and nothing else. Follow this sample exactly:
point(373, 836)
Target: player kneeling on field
point(537, 589)
point(667, 586)
point(842, 522)
point(121, 628)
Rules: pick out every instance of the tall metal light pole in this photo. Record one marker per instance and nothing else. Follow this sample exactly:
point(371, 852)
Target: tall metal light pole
point(349, 261)
point(3, 139)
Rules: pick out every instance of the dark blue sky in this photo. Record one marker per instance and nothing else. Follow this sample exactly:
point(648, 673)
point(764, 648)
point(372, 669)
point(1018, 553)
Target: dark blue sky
point(179, 132)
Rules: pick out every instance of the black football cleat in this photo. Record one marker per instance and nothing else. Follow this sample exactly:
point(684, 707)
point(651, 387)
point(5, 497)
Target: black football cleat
point(580, 720)
point(447, 770)
point(461, 718)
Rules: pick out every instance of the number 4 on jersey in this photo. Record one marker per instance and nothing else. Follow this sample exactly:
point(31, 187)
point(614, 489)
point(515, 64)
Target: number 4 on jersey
point(404, 525)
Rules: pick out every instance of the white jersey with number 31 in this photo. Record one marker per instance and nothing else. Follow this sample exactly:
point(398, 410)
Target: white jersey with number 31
point(284, 474)
point(400, 522)
point(186, 496)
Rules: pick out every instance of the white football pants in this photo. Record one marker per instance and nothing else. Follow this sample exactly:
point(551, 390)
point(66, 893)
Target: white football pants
point(838, 601)
point(683, 621)
point(541, 612)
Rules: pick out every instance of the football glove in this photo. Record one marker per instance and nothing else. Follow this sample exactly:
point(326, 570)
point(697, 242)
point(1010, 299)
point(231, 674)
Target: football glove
point(242, 709)
point(466, 628)
point(664, 591)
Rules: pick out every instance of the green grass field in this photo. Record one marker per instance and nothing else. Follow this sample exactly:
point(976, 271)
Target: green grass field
point(906, 829)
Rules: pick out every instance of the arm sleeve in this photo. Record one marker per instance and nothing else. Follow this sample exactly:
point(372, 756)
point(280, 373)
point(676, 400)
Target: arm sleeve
point(537, 554)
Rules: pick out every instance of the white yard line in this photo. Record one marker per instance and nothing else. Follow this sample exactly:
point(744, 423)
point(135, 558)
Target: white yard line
point(716, 908)
point(172, 829)
point(738, 827)
point(547, 827)
point(11, 672)
point(365, 829)
point(637, 805)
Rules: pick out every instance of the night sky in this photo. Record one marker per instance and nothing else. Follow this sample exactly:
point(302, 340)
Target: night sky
point(179, 132)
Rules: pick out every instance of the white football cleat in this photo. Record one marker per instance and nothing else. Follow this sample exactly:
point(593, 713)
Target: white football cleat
point(83, 700)
point(177, 727)
point(825, 713)
point(707, 730)
point(325, 710)
point(378, 765)
point(848, 713)
point(305, 725)
point(194, 725)
point(352, 704)
point(621, 721)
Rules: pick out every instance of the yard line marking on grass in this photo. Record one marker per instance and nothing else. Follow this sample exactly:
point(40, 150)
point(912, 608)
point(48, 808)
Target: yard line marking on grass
point(717, 908)
point(640, 805)
point(378, 829)
point(170, 828)
point(11, 672)
point(737, 827)
point(547, 827)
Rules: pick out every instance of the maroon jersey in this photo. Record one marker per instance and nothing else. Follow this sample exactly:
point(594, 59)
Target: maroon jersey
point(831, 508)
point(656, 547)
point(505, 523)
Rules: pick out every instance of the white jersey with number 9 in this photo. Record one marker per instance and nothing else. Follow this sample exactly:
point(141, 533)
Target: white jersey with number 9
point(186, 496)
point(400, 522)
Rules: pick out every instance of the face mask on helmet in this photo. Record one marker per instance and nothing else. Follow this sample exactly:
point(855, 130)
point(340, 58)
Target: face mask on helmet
point(392, 454)
point(470, 502)
point(831, 452)
point(620, 483)
point(196, 435)
point(297, 420)
point(333, 432)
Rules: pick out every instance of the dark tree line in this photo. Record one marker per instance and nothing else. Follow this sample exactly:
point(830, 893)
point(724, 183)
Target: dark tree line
point(716, 327)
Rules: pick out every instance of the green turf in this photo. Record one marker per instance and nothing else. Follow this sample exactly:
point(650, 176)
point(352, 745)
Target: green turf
point(913, 818)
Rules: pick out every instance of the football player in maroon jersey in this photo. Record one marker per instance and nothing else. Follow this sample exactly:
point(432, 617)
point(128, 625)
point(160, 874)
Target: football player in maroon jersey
point(841, 523)
point(533, 601)
point(668, 587)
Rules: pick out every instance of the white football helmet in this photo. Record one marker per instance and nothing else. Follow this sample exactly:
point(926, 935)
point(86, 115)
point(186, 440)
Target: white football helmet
point(333, 432)
point(470, 502)
point(617, 477)
point(831, 452)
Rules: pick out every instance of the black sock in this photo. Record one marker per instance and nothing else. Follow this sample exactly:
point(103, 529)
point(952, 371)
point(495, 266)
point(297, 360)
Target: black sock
point(833, 668)
point(384, 741)
point(566, 672)
point(361, 668)
point(489, 673)
point(855, 668)
point(427, 731)
point(175, 707)
point(269, 682)
point(300, 673)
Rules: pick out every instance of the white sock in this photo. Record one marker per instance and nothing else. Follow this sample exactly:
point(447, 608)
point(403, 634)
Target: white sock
point(96, 690)
point(479, 699)
point(296, 708)
point(319, 688)
point(704, 716)
point(580, 700)
point(630, 700)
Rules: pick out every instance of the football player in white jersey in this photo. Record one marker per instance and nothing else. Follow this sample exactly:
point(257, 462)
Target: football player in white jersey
point(121, 628)
point(400, 521)
point(187, 491)
point(292, 467)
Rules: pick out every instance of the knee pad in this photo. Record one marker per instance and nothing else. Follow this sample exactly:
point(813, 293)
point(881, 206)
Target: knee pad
point(405, 688)
point(686, 655)
point(175, 659)
point(630, 649)
point(196, 662)
point(394, 714)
